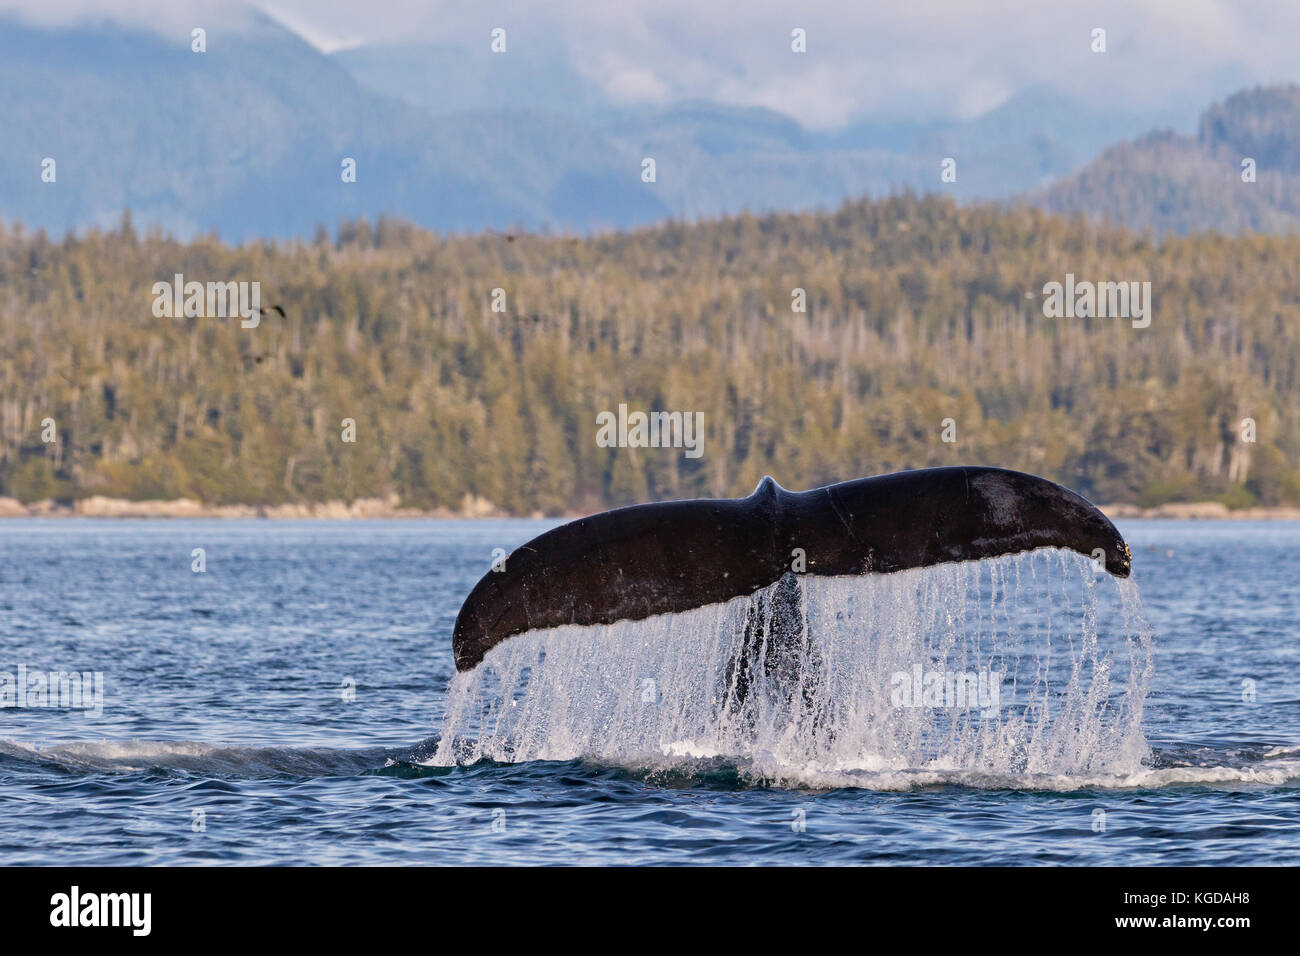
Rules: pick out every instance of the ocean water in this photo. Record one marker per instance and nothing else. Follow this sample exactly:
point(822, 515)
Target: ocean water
point(296, 703)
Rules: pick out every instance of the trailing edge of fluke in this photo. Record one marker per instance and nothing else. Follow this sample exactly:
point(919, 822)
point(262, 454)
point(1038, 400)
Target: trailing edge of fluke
point(636, 562)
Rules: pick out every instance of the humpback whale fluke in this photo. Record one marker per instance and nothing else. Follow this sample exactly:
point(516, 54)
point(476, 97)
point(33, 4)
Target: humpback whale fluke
point(636, 562)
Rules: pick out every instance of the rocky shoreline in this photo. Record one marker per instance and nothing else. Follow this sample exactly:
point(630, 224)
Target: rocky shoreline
point(97, 506)
point(1202, 511)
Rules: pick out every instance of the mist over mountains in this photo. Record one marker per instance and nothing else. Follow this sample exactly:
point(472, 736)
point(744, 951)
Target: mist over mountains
point(248, 138)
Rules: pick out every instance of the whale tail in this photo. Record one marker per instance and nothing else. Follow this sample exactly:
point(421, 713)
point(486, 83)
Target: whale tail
point(637, 562)
point(775, 651)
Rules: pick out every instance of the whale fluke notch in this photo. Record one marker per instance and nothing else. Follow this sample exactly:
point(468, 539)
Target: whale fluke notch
point(636, 562)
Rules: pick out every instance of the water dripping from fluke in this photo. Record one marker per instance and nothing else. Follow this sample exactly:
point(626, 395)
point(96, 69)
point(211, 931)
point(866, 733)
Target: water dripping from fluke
point(1027, 670)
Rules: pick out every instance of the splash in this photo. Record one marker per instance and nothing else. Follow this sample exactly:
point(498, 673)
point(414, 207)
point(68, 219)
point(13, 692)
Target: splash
point(1033, 664)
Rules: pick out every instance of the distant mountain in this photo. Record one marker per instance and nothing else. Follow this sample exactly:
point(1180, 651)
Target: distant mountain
point(442, 79)
point(248, 139)
point(726, 158)
point(249, 134)
point(1172, 183)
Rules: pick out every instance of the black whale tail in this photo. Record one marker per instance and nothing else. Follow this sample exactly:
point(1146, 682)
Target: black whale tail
point(637, 562)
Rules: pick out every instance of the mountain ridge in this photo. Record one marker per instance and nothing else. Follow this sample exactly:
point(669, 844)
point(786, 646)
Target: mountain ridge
point(248, 138)
point(1169, 182)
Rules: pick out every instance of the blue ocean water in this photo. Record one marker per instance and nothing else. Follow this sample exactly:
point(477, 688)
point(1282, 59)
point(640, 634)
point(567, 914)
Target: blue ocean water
point(285, 706)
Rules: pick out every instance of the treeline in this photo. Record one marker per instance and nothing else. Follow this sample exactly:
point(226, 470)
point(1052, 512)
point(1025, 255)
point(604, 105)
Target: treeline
point(917, 312)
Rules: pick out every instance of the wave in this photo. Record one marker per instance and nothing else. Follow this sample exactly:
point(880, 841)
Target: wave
point(681, 765)
point(1274, 773)
point(192, 757)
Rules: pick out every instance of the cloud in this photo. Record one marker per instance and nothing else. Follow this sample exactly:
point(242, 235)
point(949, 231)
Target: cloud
point(920, 59)
point(171, 17)
point(626, 81)
point(923, 59)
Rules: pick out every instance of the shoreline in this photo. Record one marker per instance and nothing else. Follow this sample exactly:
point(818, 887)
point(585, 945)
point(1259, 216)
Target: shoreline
point(1202, 511)
point(98, 506)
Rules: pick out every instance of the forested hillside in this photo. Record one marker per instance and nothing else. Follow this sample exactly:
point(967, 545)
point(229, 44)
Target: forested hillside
point(917, 311)
point(1168, 182)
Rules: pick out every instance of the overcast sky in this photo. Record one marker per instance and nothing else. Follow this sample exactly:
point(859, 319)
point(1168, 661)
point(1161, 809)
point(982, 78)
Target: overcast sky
point(927, 59)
